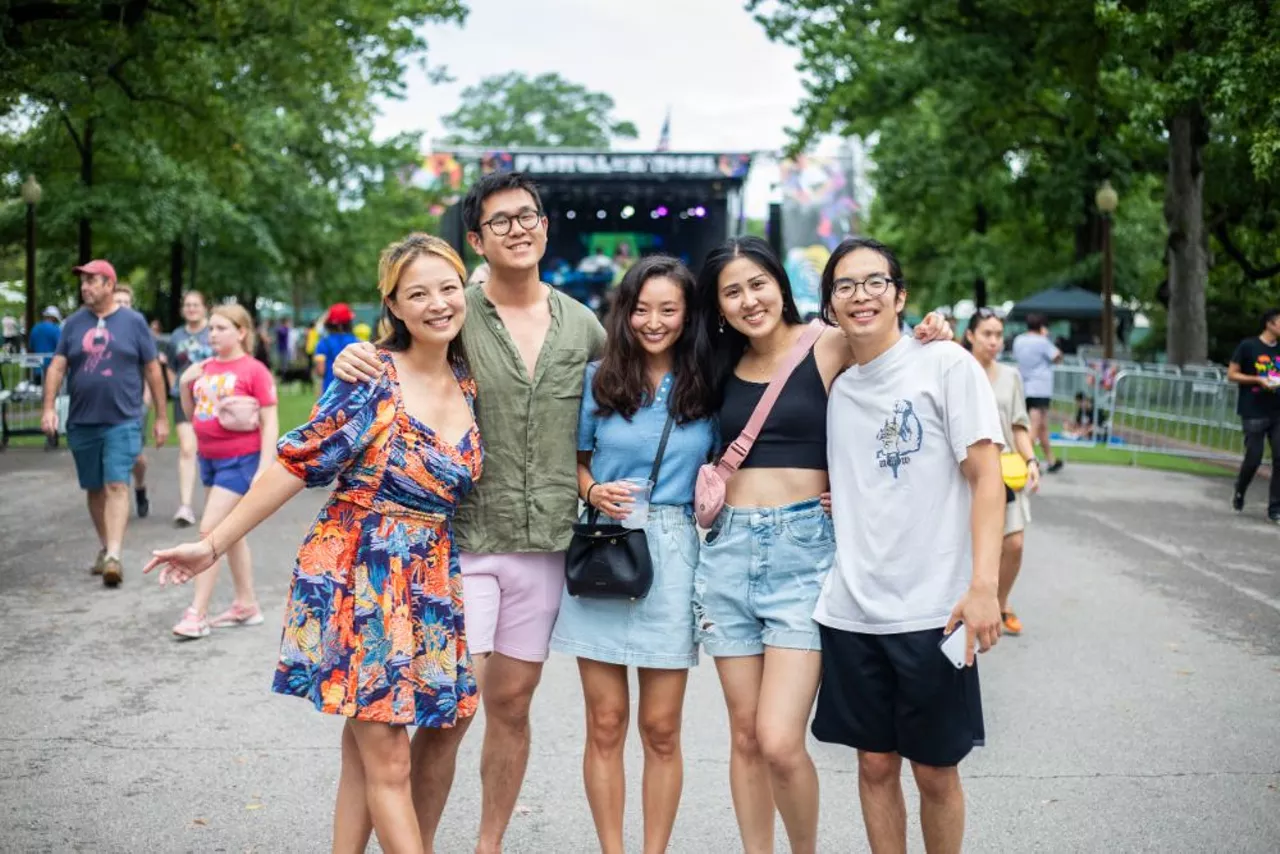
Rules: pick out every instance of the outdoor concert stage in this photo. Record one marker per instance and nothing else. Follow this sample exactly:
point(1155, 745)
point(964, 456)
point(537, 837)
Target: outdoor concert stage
point(680, 203)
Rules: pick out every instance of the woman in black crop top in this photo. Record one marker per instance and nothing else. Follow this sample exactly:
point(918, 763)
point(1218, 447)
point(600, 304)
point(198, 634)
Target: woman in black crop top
point(761, 569)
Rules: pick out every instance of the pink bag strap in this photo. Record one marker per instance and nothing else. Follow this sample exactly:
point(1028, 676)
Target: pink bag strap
point(741, 446)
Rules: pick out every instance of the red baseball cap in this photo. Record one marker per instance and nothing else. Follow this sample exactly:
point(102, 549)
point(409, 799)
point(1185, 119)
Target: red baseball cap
point(340, 312)
point(97, 267)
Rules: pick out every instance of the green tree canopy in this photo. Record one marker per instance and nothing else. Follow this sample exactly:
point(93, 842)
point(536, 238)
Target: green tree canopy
point(234, 132)
point(993, 123)
point(545, 111)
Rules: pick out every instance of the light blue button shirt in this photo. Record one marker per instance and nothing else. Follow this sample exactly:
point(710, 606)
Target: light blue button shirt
point(622, 448)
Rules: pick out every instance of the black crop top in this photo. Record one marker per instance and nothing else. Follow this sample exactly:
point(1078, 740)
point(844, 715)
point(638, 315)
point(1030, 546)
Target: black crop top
point(794, 435)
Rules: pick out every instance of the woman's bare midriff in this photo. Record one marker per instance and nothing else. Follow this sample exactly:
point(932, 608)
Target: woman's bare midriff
point(774, 487)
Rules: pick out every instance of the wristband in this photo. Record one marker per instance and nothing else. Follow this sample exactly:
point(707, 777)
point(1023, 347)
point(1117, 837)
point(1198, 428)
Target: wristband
point(1034, 460)
point(213, 547)
point(589, 488)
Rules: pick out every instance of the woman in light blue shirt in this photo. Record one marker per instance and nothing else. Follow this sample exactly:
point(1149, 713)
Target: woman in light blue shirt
point(649, 372)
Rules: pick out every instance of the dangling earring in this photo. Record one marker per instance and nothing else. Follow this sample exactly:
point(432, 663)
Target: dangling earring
point(722, 324)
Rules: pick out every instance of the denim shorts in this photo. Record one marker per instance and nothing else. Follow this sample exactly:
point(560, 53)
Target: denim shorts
point(759, 576)
point(104, 453)
point(656, 631)
point(231, 473)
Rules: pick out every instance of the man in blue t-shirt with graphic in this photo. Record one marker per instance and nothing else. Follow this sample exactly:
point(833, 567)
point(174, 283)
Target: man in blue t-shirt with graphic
point(105, 353)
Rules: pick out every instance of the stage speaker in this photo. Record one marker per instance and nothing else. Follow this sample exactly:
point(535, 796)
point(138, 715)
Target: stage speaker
point(773, 228)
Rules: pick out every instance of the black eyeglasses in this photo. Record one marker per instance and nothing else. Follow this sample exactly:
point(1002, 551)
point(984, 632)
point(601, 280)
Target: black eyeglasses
point(873, 286)
point(500, 225)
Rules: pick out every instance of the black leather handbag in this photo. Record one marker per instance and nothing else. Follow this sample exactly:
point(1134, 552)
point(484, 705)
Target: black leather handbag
point(606, 560)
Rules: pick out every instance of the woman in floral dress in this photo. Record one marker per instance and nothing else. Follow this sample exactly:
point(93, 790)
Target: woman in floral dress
point(374, 624)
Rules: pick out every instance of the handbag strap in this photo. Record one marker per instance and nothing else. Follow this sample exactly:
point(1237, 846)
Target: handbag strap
point(741, 446)
point(662, 449)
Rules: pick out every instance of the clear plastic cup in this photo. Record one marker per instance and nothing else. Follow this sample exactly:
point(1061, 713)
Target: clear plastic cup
point(641, 489)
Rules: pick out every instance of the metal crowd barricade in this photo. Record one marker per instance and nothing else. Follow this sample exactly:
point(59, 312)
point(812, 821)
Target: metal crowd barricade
point(22, 397)
point(1070, 380)
point(1191, 415)
point(1186, 411)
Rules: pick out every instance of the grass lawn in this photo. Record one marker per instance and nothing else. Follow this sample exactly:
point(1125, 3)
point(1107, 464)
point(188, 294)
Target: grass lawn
point(296, 401)
point(1142, 459)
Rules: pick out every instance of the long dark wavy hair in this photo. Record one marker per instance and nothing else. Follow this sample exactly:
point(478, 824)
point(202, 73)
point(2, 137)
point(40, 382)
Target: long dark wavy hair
point(725, 343)
point(621, 383)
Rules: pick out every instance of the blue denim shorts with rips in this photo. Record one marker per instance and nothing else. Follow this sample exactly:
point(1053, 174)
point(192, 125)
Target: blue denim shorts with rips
point(760, 573)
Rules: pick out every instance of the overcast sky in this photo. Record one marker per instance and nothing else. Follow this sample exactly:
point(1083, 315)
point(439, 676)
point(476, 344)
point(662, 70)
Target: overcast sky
point(728, 87)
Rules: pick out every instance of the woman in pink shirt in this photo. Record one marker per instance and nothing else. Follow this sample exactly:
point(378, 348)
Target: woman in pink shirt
point(231, 401)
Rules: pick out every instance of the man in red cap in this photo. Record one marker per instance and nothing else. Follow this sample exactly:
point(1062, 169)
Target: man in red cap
point(105, 354)
point(337, 323)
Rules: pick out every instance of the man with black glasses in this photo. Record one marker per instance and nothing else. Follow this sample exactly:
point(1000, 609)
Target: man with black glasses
point(105, 352)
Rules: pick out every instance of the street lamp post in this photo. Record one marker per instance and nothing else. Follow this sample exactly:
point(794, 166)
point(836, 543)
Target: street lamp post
point(1107, 200)
point(31, 195)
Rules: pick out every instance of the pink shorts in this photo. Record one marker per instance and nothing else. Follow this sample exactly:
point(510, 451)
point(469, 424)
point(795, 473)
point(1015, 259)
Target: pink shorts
point(511, 602)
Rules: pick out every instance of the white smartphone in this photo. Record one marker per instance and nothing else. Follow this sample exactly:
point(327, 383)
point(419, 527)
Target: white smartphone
point(953, 645)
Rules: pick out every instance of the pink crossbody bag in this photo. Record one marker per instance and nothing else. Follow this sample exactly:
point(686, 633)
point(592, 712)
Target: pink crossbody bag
point(708, 491)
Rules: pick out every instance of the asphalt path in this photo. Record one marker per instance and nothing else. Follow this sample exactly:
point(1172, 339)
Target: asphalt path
point(1140, 711)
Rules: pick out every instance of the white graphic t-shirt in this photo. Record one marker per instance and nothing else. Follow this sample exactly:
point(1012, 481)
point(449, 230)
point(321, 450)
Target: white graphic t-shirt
point(898, 428)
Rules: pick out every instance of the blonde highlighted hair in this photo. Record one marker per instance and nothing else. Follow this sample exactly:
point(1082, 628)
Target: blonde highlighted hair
point(240, 318)
point(392, 333)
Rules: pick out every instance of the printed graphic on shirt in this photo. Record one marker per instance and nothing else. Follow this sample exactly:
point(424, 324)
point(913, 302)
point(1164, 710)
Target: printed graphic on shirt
point(900, 437)
point(96, 344)
point(209, 389)
point(193, 350)
point(1269, 370)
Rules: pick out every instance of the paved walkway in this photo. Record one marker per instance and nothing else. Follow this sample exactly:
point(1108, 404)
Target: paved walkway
point(1139, 712)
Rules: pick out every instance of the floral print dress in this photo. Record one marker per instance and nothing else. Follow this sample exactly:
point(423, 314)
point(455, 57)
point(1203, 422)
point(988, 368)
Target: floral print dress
point(374, 625)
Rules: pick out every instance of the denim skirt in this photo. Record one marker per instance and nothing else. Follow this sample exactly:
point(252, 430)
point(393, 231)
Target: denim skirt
point(656, 631)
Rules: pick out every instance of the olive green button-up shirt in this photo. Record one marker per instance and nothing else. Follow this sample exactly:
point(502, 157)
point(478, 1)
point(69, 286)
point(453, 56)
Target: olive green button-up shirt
point(527, 497)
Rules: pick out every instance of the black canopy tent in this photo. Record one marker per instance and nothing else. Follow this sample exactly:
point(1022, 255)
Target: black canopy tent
point(1066, 302)
point(1081, 308)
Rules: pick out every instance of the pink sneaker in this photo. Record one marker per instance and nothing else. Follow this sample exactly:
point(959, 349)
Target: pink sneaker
point(192, 625)
point(238, 615)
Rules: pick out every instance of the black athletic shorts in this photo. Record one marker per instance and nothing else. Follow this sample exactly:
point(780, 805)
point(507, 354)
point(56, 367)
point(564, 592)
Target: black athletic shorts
point(897, 694)
point(1039, 402)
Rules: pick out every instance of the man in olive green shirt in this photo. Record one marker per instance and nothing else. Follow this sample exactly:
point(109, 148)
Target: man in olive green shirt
point(528, 346)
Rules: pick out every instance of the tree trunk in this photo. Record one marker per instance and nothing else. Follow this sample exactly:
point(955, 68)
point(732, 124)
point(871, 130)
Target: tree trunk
point(86, 179)
point(195, 262)
point(980, 219)
point(177, 262)
point(299, 294)
point(1188, 328)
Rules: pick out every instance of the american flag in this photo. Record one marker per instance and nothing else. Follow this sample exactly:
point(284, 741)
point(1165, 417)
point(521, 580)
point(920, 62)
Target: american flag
point(664, 136)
